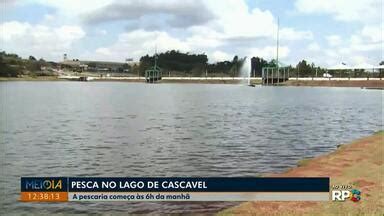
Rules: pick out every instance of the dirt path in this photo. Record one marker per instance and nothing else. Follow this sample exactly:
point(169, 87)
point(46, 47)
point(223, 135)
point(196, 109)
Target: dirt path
point(359, 164)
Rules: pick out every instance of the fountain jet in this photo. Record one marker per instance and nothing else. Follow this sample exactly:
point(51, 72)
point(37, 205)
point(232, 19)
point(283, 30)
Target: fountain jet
point(245, 71)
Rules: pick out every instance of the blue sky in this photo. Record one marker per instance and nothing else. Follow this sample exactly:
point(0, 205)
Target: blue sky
point(325, 32)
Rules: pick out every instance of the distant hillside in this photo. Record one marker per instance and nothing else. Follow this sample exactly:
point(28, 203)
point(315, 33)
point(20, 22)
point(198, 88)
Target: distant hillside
point(11, 65)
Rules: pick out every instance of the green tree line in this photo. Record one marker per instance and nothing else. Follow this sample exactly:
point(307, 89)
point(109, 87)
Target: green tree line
point(12, 65)
point(178, 64)
point(191, 64)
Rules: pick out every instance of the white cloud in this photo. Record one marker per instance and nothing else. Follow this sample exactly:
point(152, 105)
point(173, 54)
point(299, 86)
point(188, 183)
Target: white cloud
point(220, 56)
point(236, 29)
point(314, 46)
point(373, 32)
point(343, 10)
point(198, 42)
point(68, 34)
point(269, 52)
point(39, 40)
point(8, 3)
point(234, 19)
point(291, 34)
point(103, 51)
point(333, 40)
point(138, 43)
point(13, 29)
point(358, 59)
point(358, 42)
point(221, 38)
point(49, 18)
point(74, 7)
point(360, 47)
point(368, 39)
point(172, 13)
point(102, 32)
point(203, 37)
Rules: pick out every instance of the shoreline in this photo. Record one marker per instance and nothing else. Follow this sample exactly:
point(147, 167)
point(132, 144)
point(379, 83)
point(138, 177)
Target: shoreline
point(379, 84)
point(359, 164)
point(187, 80)
point(369, 84)
point(39, 78)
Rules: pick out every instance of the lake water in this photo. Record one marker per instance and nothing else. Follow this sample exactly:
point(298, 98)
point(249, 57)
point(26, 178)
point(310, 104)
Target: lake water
point(138, 130)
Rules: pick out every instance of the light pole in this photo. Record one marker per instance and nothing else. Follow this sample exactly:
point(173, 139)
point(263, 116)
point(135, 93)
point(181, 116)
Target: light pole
point(128, 60)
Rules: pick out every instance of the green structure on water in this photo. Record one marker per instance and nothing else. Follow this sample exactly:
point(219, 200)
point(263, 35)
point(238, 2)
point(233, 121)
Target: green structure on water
point(154, 73)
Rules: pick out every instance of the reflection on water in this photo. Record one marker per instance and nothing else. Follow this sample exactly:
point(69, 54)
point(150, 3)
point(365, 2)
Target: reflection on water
point(125, 129)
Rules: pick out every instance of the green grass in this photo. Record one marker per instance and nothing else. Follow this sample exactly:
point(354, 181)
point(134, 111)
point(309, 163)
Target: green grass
point(303, 162)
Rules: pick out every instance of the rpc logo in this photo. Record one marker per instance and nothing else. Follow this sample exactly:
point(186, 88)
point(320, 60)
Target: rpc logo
point(342, 195)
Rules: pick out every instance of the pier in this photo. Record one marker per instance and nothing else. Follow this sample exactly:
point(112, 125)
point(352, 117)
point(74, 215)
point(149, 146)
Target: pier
point(273, 75)
point(153, 75)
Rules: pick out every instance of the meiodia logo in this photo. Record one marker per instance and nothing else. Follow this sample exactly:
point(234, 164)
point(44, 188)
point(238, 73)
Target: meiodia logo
point(43, 184)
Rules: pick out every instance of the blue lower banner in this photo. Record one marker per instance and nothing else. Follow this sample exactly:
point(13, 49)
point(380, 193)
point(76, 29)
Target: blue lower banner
point(173, 189)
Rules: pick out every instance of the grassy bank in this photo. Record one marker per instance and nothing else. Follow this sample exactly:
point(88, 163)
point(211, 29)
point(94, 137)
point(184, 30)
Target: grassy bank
point(337, 83)
point(320, 83)
point(359, 164)
point(170, 80)
point(28, 78)
point(255, 82)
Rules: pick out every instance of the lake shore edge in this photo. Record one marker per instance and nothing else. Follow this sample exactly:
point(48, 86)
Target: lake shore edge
point(359, 164)
point(379, 84)
point(375, 84)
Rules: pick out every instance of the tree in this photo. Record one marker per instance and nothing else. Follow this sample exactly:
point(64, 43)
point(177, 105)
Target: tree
point(304, 68)
point(6, 70)
point(381, 70)
point(235, 65)
point(272, 63)
point(257, 65)
point(33, 66)
point(32, 58)
point(126, 67)
point(92, 64)
point(176, 61)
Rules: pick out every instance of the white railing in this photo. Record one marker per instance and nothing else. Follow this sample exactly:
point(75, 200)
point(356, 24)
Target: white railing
point(333, 78)
point(223, 78)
